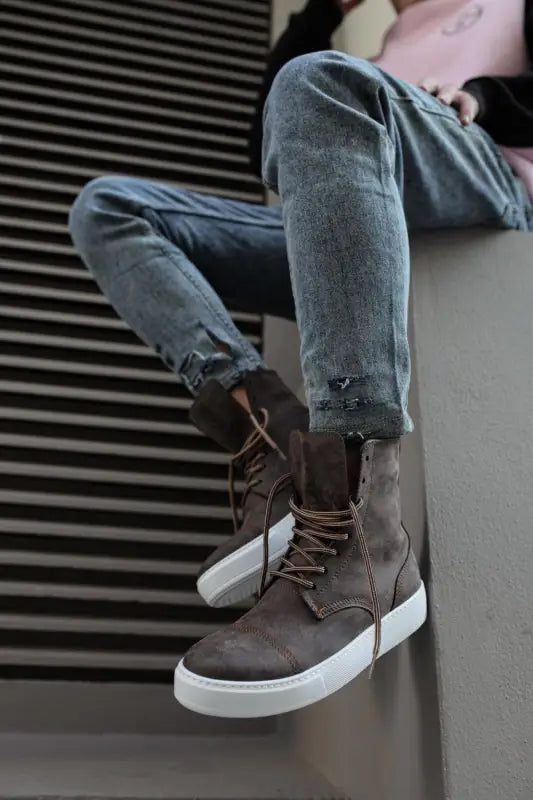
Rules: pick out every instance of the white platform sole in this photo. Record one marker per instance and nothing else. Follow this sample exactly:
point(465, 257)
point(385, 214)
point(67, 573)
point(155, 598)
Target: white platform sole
point(238, 575)
point(265, 698)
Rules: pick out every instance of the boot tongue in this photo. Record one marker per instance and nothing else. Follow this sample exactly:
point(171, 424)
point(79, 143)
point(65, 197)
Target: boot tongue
point(220, 417)
point(319, 473)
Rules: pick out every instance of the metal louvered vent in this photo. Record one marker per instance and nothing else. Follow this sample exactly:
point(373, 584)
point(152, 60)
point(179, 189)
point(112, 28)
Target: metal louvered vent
point(110, 499)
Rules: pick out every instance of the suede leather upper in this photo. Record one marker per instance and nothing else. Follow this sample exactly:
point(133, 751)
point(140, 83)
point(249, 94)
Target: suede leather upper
point(220, 417)
point(293, 628)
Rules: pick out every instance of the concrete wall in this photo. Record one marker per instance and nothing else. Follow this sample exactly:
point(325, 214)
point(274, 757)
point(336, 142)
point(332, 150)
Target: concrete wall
point(474, 331)
point(470, 465)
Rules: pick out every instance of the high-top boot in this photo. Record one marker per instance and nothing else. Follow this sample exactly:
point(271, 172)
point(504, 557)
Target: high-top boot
point(259, 443)
point(348, 591)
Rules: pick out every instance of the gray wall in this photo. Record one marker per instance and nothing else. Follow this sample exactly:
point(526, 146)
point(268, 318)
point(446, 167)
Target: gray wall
point(470, 465)
point(474, 332)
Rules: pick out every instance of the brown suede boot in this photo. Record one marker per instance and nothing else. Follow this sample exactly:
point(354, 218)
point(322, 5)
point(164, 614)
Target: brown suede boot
point(259, 443)
point(348, 591)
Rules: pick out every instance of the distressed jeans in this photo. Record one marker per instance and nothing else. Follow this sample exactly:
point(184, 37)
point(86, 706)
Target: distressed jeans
point(357, 158)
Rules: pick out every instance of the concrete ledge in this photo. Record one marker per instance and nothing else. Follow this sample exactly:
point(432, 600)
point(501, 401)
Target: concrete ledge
point(457, 699)
point(473, 297)
point(155, 768)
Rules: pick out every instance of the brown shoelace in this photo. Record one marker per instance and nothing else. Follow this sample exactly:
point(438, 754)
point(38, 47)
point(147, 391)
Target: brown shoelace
point(254, 463)
point(318, 529)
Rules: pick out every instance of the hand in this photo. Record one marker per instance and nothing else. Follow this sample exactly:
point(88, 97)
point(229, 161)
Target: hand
point(347, 5)
point(465, 103)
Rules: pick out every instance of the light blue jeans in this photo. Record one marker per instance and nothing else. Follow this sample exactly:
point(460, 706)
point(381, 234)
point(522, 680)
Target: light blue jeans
point(357, 158)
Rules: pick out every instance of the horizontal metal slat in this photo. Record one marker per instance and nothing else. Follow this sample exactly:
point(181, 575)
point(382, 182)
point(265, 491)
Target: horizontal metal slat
point(11, 201)
point(61, 317)
point(111, 533)
point(69, 342)
point(249, 6)
point(72, 592)
point(30, 346)
point(111, 477)
point(85, 658)
point(230, 141)
point(103, 564)
point(80, 322)
point(84, 275)
point(253, 8)
point(26, 622)
point(127, 505)
point(250, 15)
point(50, 169)
point(18, 61)
point(74, 393)
point(93, 420)
point(78, 273)
point(131, 44)
point(105, 158)
point(185, 33)
point(111, 56)
point(26, 183)
point(136, 553)
point(51, 247)
point(102, 609)
point(182, 74)
point(98, 370)
point(200, 17)
point(93, 345)
point(80, 497)
point(16, 126)
point(40, 188)
point(137, 451)
point(92, 494)
point(232, 121)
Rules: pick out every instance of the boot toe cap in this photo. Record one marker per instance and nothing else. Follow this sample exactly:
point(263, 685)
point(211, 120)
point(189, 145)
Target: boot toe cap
point(240, 656)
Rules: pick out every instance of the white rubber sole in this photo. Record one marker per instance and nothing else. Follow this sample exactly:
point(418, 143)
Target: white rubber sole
point(218, 698)
point(238, 575)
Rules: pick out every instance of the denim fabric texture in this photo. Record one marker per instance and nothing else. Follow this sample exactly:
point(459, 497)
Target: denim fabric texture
point(358, 159)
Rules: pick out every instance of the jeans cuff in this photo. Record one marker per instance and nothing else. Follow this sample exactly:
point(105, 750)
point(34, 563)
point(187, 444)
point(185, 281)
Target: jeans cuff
point(376, 422)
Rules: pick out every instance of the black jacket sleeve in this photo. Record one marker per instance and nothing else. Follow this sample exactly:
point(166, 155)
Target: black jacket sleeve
point(307, 32)
point(506, 103)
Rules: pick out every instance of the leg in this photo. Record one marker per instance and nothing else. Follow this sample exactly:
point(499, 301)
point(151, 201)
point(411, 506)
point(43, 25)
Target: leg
point(161, 255)
point(356, 157)
point(347, 148)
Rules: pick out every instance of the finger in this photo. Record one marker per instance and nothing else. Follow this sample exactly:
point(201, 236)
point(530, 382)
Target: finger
point(467, 106)
point(429, 85)
point(447, 94)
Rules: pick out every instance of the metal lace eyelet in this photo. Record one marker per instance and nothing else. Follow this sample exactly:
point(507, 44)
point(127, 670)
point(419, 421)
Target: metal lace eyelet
point(324, 570)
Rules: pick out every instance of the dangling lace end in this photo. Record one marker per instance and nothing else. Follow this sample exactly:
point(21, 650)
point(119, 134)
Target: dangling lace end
point(231, 492)
point(375, 655)
point(376, 611)
point(276, 487)
point(261, 429)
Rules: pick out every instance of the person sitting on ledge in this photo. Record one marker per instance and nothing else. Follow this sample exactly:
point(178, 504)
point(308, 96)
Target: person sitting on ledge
point(435, 132)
